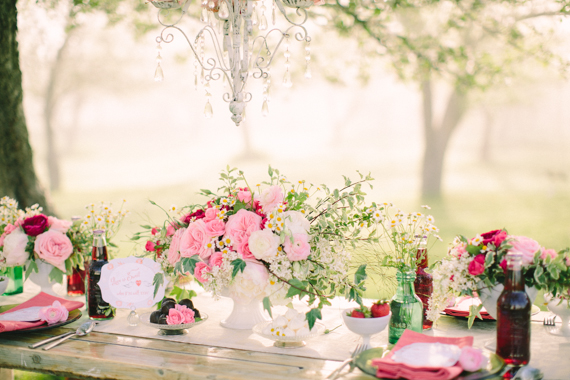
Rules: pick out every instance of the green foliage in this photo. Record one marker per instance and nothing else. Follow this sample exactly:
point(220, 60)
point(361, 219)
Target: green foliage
point(238, 266)
point(56, 275)
point(180, 293)
point(267, 305)
point(312, 317)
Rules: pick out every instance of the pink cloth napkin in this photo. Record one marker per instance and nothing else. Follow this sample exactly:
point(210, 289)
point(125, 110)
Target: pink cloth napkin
point(460, 309)
point(387, 368)
point(42, 299)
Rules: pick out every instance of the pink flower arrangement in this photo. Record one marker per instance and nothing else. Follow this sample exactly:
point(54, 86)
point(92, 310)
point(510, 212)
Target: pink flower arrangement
point(54, 313)
point(194, 241)
point(53, 247)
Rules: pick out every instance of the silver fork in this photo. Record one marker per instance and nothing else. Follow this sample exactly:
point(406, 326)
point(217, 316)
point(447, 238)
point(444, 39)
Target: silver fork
point(550, 320)
point(336, 373)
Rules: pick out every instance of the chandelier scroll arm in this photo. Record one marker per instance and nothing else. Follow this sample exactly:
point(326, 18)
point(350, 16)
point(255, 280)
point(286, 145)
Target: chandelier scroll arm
point(300, 11)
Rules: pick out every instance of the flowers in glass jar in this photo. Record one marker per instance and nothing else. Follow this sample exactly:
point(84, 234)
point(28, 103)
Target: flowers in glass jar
point(271, 242)
point(472, 264)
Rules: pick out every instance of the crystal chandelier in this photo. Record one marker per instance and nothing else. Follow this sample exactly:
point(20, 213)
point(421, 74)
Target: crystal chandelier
point(240, 53)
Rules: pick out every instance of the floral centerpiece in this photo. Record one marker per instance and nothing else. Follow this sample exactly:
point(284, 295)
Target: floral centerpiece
point(474, 265)
point(29, 236)
point(273, 241)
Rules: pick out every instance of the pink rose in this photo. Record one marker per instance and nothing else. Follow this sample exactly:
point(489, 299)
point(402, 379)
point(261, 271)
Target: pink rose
point(54, 313)
point(299, 249)
point(477, 266)
point(194, 241)
point(187, 314)
point(244, 195)
point(211, 214)
point(215, 228)
point(170, 230)
point(216, 259)
point(548, 253)
point(56, 224)
point(174, 249)
point(174, 317)
point(54, 248)
point(526, 246)
point(568, 262)
point(270, 198)
point(472, 359)
point(149, 246)
point(243, 250)
point(35, 225)
point(200, 270)
point(240, 226)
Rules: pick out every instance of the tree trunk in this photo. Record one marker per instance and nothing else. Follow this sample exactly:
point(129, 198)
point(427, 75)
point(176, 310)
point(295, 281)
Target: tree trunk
point(17, 176)
point(50, 106)
point(485, 152)
point(437, 138)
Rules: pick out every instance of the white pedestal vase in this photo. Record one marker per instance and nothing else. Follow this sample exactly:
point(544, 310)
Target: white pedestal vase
point(489, 297)
point(41, 278)
point(245, 314)
point(562, 310)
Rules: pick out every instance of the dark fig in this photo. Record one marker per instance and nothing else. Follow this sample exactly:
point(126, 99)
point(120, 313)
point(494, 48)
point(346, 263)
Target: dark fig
point(155, 316)
point(162, 320)
point(165, 308)
point(188, 303)
point(196, 313)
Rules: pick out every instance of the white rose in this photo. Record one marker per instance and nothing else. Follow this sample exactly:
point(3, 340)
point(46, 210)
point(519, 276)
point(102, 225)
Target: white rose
point(296, 222)
point(251, 283)
point(15, 248)
point(263, 244)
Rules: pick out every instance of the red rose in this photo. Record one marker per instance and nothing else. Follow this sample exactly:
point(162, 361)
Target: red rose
point(500, 237)
point(503, 265)
point(198, 214)
point(489, 237)
point(477, 266)
point(149, 246)
point(35, 225)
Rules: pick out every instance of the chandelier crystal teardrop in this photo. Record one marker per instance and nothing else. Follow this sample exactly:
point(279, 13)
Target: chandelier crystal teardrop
point(241, 51)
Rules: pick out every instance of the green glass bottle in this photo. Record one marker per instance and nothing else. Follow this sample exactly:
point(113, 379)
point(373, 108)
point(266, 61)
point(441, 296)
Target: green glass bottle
point(15, 280)
point(406, 307)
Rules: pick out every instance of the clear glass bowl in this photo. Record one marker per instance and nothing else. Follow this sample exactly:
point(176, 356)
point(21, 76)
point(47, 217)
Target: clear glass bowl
point(171, 329)
point(288, 342)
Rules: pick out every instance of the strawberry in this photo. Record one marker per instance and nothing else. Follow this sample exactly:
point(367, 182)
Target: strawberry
point(357, 314)
point(380, 309)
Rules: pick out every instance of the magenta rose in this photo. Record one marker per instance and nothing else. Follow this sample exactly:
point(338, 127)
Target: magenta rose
point(477, 266)
point(503, 265)
point(240, 226)
point(299, 248)
point(154, 231)
point(216, 259)
point(187, 314)
point(54, 248)
point(527, 247)
point(174, 249)
point(215, 228)
point(54, 313)
point(472, 359)
point(211, 214)
point(174, 317)
point(200, 270)
point(194, 241)
point(149, 246)
point(198, 214)
point(35, 225)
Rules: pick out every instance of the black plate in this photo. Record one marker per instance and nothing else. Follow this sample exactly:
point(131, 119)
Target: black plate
point(73, 316)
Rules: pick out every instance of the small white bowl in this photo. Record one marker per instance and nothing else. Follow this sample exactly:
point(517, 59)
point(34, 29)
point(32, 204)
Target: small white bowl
point(366, 327)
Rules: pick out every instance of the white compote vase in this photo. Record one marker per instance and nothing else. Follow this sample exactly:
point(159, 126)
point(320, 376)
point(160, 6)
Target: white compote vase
point(562, 310)
point(489, 298)
point(41, 278)
point(245, 314)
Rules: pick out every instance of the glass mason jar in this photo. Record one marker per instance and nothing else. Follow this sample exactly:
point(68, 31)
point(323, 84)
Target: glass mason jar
point(406, 307)
point(15, 277)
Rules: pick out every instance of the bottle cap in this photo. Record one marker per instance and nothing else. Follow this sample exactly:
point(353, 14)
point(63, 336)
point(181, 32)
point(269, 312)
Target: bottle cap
point(99, 232)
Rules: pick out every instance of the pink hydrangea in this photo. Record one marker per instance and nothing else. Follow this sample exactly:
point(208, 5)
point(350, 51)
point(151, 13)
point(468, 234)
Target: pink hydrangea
point(299, 248)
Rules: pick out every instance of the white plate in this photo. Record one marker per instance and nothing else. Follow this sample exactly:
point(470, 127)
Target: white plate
point(288, 342)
